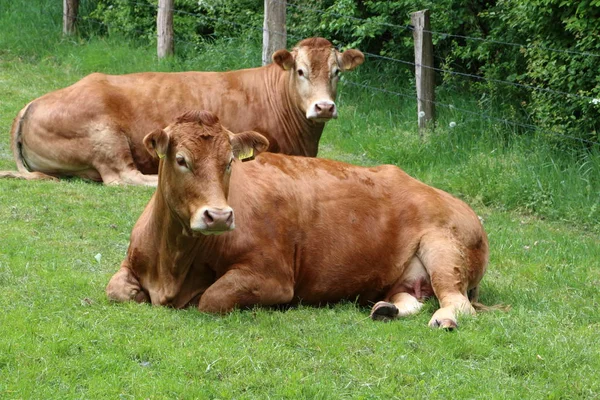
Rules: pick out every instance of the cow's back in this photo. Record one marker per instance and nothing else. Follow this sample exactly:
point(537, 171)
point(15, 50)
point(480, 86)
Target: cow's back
point(242, 100)
point(343, 230)
point(100, 108)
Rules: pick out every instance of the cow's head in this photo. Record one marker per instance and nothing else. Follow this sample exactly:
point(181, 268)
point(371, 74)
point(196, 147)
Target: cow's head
point(315, 67)
point(197, 156)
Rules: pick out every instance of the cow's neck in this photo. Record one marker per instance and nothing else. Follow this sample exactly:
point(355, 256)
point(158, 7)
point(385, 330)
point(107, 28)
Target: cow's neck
point(301, 134)
point(181, 258)
point(175, 252)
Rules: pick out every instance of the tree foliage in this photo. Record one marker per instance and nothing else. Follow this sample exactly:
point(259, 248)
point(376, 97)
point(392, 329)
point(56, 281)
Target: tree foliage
point(194, 20)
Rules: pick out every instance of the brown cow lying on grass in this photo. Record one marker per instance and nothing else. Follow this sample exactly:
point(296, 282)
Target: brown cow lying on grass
point(94, 128)
point(306, 230)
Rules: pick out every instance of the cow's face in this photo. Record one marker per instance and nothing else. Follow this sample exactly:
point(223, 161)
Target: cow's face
point(315, 67)
point(197, 157)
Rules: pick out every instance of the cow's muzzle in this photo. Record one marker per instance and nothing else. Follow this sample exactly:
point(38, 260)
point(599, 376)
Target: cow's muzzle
point(322, 111)
point(213, 220)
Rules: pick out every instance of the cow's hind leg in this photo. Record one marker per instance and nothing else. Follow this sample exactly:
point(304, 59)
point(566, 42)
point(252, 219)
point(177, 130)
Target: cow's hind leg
point(399, 305)
point(124, 286)
point(444, 261)
point(240, 289)
point(135, 177)
point(113, 159)
point(123, 174)
point(399, 302)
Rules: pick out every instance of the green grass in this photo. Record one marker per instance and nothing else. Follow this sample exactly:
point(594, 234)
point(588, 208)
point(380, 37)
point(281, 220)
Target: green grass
point(60, 337)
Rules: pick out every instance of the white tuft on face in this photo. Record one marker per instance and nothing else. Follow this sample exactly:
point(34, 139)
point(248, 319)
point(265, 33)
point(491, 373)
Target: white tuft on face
point(317, 87)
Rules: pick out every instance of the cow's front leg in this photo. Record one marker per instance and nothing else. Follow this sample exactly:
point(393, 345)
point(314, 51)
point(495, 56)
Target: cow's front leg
point(124, 286)
point(239, 289)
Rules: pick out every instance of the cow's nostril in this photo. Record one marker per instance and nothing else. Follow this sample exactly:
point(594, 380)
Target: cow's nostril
point(324, 108)
point(217, 219)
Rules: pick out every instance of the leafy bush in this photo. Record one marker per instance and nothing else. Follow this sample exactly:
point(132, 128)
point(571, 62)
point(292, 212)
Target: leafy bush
point(132, 19)
point(574, 27)
point(193, 20)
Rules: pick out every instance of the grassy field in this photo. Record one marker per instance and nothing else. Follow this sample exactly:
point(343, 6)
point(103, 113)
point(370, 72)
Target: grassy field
point(60, 243)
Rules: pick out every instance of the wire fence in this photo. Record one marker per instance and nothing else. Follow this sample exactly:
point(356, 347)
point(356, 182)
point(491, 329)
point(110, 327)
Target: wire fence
point(410, 63)
point(473, 113)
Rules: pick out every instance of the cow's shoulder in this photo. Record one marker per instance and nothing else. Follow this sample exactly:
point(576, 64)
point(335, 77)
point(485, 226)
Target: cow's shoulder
point(94, 78)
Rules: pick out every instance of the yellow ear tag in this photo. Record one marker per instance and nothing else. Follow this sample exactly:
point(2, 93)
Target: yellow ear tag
point(248, 155)
point(160, 155)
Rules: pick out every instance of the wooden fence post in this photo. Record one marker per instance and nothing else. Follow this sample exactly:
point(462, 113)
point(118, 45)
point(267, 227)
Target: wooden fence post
point(69, 16)
point(274, 33)
point(164, 28)
point(424, 73)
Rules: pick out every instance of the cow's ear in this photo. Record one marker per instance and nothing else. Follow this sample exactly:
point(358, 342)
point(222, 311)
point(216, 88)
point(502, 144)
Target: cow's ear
point(247, 145)
point(157, 142)
point(284, 59)
point(351, 59)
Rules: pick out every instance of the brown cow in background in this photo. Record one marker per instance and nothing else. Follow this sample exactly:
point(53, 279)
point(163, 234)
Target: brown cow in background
point(306, 230)
point(94, 128)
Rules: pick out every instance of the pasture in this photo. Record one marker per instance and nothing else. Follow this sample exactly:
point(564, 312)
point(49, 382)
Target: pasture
point(61, 242)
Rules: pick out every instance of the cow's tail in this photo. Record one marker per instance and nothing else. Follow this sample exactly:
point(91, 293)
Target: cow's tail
point(473, 295)
point(16, 141)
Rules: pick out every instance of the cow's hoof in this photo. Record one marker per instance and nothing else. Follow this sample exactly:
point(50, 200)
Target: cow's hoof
point(141, 297)
point(446, 324)
point(384, 311)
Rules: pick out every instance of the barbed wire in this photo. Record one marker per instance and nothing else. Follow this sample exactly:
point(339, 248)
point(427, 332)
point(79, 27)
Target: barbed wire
point(142, 33)
point(99, 22)
point(484, 115)
point(388, 58)
point(516, 84)
point(217, 19)
point(520, 45)
point(483, 78)
point(377, 89)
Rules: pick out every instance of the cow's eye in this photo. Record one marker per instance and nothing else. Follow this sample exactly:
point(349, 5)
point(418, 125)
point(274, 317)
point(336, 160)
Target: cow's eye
point(300, 72)
point(180, 160)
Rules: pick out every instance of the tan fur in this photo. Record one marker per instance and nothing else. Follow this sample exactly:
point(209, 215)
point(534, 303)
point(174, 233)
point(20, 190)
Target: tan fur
point(307, 230)
point(94, 128)
point(16, 146)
